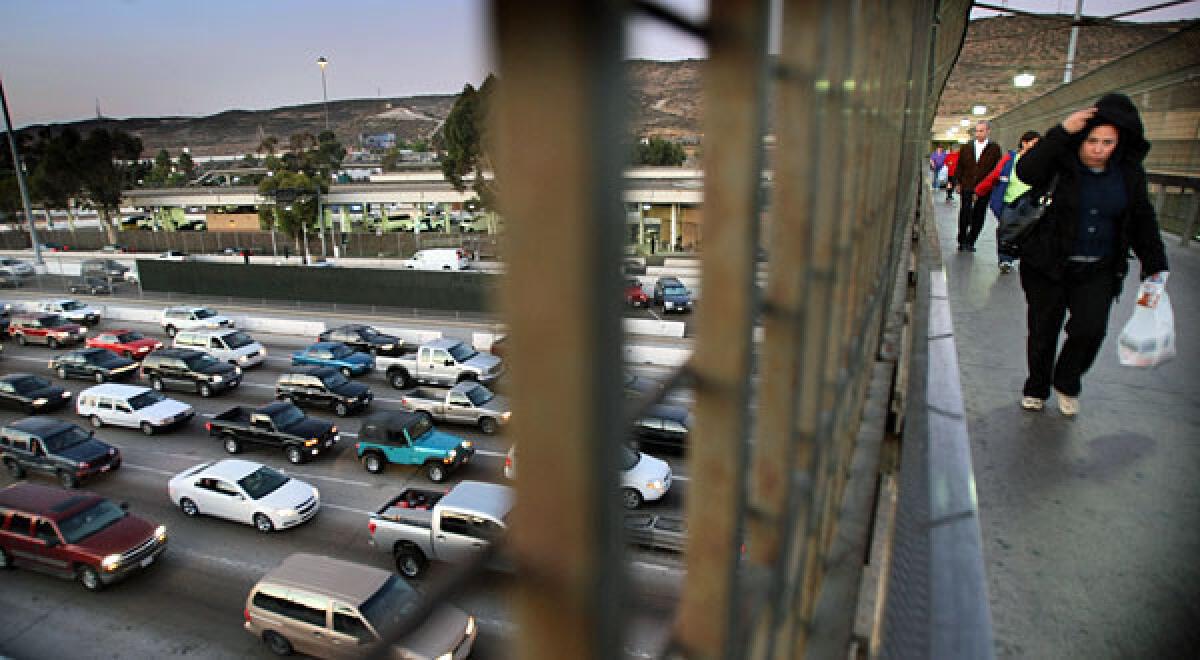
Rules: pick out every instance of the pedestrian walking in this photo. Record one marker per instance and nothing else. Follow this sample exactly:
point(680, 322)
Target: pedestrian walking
point(1074, 261)
point(951, 169)
point(936, 160)
point(975, 161)
point(1003, 189)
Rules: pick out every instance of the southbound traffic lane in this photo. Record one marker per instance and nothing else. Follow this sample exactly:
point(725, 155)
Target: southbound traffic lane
point(1089, 524)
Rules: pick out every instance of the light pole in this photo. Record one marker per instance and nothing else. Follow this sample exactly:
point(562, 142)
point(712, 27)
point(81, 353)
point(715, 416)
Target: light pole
point(19, 168)
point(324, 91)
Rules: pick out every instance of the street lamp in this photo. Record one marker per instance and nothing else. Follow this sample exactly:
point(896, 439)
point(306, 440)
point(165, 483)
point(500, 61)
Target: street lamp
point(324, 91)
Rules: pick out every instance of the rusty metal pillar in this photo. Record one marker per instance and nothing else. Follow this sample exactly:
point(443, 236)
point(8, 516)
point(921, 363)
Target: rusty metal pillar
point(565, 357)
point(735, 105)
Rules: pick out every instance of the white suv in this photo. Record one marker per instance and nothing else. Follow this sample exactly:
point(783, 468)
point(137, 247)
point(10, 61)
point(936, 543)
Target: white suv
point(72, 310)
point(175, 319)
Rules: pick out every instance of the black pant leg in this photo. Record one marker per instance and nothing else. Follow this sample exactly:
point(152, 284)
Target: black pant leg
point(966, 202)
point(1089, 300)
point(979, 209)
point(1046, 307)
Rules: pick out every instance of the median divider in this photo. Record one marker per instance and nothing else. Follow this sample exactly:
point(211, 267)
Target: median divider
point(656, 355)
point(658, 328)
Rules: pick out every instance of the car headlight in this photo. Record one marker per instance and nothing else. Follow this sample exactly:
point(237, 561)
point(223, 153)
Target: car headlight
point(654, 485)
point(111, 562)
point(506, 415)
point(286, 513)
point(466, 444)
point(470, 626)
point(310, 442)
point(216, 378)
point(237, 370)
point(243, 358)
point(66, 395)
point(40, 401)
point(450, 456)
point(264, 351)
point(387, 347)
point(161, 534)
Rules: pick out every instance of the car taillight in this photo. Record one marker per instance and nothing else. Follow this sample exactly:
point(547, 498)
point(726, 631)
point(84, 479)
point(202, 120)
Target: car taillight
point(357, 446)
point(371, 527)
point(508, 462)
point(207, 426)
point(246, 614)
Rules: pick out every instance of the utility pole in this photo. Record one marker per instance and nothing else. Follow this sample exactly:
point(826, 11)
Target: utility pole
point(19, 167)
point(1071, 45)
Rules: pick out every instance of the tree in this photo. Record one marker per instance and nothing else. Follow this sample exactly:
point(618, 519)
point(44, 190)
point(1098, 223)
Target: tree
point(659, 152)
point(295, 205)
point(269, 144)
point(57, 179)
point(160, 172)
point(391, 158)
point(464, 140)
point(106, 159)
point(187, 166)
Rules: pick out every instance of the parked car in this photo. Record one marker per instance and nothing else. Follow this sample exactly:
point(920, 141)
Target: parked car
point(437, 259)
point(98, 364)
point(280, 424)
point(131, 406)
point(183, 368)
point(664, 425)
point(441, 362)
point(644, 478)
point(54, 247)
point(16, 267)
point(323, 386)
point(174, 319)
point(336, 355)
point(410, 439)
point(245, 492)
point(635, 295)
point(330, 608)
point(95, 286)
point(226, 344)
point(9, 280)
point(465, 403)
point(117, 248)
point(110, 269)
point(32, 394)
point(75, 535)
point(420, 525)
point(364, 338)
point(71, 310)
point(173, 255)
point(672, 295)
point(55, 448)
point(49, 329)
point(129, 343)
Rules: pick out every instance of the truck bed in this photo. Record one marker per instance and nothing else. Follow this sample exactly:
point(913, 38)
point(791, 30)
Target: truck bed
point(413, 506)
point(428, 395)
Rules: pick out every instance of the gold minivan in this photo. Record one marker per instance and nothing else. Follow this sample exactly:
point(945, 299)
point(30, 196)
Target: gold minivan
point(329, 608)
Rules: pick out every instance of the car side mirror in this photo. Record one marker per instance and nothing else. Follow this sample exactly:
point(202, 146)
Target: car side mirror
point(124, 506)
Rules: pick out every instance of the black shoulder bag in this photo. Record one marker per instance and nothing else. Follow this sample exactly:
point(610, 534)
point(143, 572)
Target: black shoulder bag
point(1018, 221)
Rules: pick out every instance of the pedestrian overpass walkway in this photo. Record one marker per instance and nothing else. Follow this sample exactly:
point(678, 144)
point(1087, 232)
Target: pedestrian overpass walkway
point(1091, 526)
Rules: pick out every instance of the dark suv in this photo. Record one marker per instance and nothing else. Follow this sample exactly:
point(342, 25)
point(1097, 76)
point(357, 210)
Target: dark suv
point(672, 295)
point(184, 368)
point(98, 364)
point(325, 387)
point(364, 338)
point(74, 534)
point(55, 447)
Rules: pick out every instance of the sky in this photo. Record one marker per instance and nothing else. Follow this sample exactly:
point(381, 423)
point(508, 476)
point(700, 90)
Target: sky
point(59, 59)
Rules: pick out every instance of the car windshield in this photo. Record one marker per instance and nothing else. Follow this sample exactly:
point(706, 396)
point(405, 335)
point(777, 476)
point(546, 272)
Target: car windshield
point(417, 430)
point(30, 383)
point(53, 321)
point(367, 331)
point(73, 305)
point(205, 313)
point(146, 399)
point(480, 395)
point(127, 337)
point(287, 416)
point(387, 608)
point(69, 437)
point(89, 521)
point(238, 340)
point(462, 352)
point(675, 291)
point(628, 458)
point(262, 482)
point(341, 351)
point(101, 357)
point(201, 362)
point(335, 379)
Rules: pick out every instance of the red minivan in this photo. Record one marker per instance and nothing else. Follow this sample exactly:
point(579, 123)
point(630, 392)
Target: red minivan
point(74, 534)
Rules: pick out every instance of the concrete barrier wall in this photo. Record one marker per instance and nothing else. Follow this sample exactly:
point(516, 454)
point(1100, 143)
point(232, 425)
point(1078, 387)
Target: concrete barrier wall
point(656, 328)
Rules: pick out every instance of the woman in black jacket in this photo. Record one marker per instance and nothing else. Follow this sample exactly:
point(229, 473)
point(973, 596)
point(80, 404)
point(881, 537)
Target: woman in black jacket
point(1075, 259)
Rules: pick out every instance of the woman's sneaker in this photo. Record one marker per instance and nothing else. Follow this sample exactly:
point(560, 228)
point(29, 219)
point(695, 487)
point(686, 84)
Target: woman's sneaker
point(1005, 267)
point(1032, 403)
point(1067, 405)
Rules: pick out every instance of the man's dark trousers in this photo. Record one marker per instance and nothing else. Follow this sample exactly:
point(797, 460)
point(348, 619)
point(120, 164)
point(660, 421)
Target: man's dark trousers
point(971, 215)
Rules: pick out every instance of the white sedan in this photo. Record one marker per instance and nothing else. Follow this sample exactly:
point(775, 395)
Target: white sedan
point(644, 478)
point(245, 492)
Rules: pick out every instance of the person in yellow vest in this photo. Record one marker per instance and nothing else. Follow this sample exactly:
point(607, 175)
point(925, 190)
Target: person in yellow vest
point(1005, 188)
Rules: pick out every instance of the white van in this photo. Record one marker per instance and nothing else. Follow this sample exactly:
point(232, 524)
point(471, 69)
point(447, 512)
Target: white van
point(132, 406)
point(227, 345)
point(437, 259)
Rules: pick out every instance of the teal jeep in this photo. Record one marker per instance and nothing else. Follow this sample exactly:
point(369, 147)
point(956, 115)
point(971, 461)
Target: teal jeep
point(410, 439)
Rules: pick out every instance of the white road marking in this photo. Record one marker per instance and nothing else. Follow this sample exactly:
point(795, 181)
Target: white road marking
point(144, 468)
point(348, 482)
point(346, 508)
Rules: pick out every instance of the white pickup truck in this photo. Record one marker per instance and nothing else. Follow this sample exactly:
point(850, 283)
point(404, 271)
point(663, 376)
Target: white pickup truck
point(419, 525)
point(443, 362)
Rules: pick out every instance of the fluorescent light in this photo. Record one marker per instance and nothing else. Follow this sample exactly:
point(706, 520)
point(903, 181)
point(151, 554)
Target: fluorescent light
point(1023, 79)
point(964, 122)
point(979, 110)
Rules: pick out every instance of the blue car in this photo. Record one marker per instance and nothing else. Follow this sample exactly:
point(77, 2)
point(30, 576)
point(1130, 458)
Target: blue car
point(672, 295)
point(339, 356)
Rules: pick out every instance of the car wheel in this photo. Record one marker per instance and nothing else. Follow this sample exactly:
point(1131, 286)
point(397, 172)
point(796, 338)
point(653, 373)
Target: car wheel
point(52, 343)
point(157, 384)
point(96, 421)
point(263, 524)
point(89, 578)
point(67, 479)
point(488, 425)
point(99, 377)
point(341, 409)
point(189, 507)
point(346, 372)
point(170, 331)
point(436, 473)
point(426, 416)
point(630, 498)
point(294, 455)
point(21, 340)
point(147, 428)
point(373, 462)
point(14, 469)
point(399, 379)
point(62, 372)
point(5, 559)
point(232, 444)
point(277, 644)
point(205, 390)
point(409, 562)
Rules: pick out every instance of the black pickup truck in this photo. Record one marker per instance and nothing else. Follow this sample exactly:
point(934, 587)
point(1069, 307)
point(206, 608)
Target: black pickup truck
point(279, 424)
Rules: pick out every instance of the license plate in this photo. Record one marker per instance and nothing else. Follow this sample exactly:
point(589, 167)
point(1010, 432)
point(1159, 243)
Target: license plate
point(105, 467)
point(147, 561)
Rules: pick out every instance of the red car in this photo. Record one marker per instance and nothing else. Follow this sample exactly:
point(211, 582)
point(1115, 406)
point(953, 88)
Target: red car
point(634, 294)
point(49, 329)
point(129, 343)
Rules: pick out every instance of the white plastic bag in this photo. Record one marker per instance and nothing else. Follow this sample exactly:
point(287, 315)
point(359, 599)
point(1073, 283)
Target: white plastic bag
point(1148, 339)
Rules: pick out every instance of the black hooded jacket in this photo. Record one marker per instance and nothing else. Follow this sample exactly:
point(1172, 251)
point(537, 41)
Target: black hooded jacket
point(1052, 240)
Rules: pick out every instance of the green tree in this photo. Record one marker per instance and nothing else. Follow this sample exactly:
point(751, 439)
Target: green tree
point(391, 158)
point(659, 152)
point(187, 166)
point(106, 159)
point(160, 172)
point(56, 180)
point(464, 140)
point(294, 208)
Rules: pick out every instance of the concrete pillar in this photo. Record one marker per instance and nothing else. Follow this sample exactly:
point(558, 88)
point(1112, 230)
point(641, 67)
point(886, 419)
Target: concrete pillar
point(674, 224)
